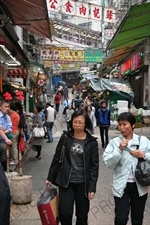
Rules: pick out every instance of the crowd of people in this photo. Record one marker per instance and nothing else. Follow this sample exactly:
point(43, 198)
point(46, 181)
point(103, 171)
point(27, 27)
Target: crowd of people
point(77, 177)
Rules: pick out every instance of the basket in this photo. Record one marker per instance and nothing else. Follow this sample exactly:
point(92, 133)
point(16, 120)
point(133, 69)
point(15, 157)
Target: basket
point(146, 119)
point(138, 125)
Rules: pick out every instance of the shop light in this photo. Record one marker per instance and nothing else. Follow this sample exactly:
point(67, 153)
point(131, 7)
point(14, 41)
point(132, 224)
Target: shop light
point(9, 53)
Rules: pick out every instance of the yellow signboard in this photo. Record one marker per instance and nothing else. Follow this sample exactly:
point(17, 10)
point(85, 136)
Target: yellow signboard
point(72, 55)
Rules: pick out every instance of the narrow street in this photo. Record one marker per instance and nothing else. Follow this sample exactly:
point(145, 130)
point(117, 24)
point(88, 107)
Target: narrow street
point(102, 206)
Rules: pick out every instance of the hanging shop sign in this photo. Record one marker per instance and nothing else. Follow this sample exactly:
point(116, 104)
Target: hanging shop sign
point(50, 55)
point(108, 33)
point(93, 55)
point(41, 82)
point(17, 73)
point(81, 9)
point(134, 63)
point(3, 70)
point(72, 56)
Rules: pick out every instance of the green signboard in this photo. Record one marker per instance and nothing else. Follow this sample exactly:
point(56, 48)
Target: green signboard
point(93, 55)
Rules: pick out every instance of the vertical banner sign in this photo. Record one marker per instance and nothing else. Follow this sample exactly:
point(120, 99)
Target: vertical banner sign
point(109, 14)
point(68, 7)
point(82, 9)
point(96, 12)
point(53, 5)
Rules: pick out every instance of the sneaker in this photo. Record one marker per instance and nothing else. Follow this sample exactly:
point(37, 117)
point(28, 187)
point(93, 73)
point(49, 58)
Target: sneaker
point(37, 157)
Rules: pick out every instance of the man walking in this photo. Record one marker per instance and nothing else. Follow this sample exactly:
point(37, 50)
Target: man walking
point(6, 127)
point(103, 117)
point(49, 121)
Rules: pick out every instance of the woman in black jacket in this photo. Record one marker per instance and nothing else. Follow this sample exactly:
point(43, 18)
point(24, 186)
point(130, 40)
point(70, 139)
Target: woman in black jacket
point(78, 173)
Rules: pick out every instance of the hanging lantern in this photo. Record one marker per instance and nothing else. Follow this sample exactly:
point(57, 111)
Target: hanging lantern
point(7, 96)
point(20, 97)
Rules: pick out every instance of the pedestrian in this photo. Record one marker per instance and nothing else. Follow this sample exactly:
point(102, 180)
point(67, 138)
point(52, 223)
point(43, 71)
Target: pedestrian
point(121, 155)
point(92, 117)
point(49, 121)
point(66, 103)
point(43, 98)
point(37, 142)
point(78, 175)
point(15, 119)
point(57, 101)
point(6, 127)
point(22, 124)
point(4, 199)
point(103, 114)
point(68, 115)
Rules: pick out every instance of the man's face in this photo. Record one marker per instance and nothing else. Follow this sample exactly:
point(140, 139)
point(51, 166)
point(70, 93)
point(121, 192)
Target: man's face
point(5, 108)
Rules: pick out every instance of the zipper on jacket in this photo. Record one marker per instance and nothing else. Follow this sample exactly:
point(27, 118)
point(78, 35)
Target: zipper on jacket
point(84, 170)
point(69, 178)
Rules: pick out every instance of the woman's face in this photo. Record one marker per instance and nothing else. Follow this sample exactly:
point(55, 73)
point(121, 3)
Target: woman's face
point(78, 123)
point(35, 110)
point(125, 128)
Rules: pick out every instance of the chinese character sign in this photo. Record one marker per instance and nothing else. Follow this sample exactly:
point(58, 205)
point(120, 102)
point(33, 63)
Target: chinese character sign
point(109, 14)
point(68, 7)
point(53, 5)
point(96, 12)
point(51, 55)
point(82, 10)
point(72, 55)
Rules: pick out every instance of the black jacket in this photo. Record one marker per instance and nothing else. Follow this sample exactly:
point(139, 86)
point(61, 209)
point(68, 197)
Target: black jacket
point(91, 163)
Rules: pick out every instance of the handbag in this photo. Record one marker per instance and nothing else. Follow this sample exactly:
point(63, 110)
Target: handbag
point(21, 144)
point(48, 207)
point(142, 171)
point(38, 132)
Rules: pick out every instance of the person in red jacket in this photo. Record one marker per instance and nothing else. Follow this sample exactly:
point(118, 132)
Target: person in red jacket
point(57, 101)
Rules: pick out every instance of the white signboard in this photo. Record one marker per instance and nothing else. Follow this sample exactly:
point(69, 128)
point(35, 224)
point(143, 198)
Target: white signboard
point(96, 12)
point(50, 55)
point(81, 9)
point(53, 5)
point(109, 14)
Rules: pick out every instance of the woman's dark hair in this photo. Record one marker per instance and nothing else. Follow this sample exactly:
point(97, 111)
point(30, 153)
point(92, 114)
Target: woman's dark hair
point(38, 107)
point(127, 116)
point(81, 112)
point(19, 107)
point(88, 106)
point(13, 107)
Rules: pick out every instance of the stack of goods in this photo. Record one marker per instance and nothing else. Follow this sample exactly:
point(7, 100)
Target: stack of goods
point(122, 106)
point(146, 116)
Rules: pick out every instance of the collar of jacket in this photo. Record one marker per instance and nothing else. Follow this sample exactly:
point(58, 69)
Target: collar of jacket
point(135, 139)
point(89, 137)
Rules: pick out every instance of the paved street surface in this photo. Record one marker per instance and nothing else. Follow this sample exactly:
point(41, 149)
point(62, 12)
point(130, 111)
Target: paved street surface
point(102, 206)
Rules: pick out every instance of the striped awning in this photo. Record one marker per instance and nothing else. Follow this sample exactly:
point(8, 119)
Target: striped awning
point(17, 73)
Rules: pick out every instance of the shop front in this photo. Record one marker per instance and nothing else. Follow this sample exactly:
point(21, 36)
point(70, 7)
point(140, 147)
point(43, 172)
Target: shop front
point(37, 83)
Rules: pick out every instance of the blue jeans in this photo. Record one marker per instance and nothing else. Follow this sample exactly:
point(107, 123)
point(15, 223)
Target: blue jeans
point(49, 126)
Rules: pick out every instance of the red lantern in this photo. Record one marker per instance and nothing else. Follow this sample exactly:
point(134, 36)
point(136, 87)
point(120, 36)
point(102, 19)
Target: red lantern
point(7, 96)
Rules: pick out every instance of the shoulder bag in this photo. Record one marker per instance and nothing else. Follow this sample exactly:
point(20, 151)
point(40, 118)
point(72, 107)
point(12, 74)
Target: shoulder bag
point(61, 159)
point(38, 132)
point(142, 172)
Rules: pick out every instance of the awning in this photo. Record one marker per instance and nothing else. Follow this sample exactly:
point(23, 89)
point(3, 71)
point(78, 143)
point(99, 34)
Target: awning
point(17, 73)
point(134, 28)
point(31, 15)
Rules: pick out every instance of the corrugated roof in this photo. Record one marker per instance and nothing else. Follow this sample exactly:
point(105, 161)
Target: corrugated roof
point(31, 15)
